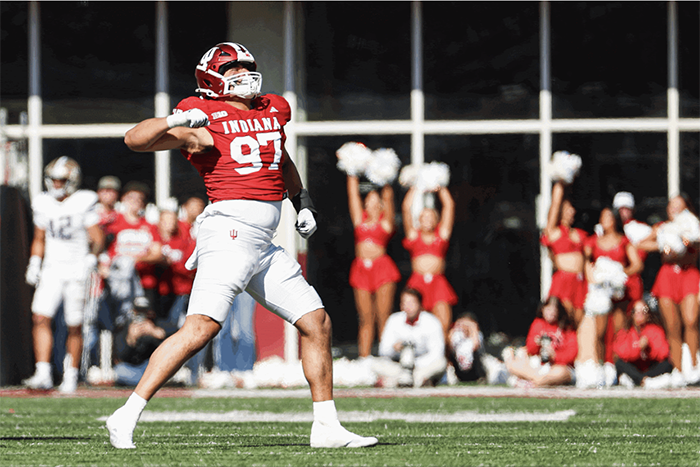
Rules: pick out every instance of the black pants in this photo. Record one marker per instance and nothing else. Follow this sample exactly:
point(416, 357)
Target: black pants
point(637, 376)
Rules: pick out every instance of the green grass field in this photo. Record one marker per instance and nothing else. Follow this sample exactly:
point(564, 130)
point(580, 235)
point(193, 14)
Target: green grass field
point(596, 432)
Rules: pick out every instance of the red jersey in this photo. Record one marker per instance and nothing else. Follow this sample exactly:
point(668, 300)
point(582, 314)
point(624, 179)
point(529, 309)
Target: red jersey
point(177, 279)
point(417, 247)
point(247, 157)
point(564, 341)
point(565, 244)
point(134, 240)
point(626, 346)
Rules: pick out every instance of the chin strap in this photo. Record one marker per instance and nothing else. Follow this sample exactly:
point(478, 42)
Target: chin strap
point(302, 200)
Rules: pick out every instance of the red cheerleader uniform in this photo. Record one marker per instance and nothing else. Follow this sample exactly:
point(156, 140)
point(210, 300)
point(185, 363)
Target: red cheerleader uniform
point(568, 287)
point(368, 274)
point(434, 287)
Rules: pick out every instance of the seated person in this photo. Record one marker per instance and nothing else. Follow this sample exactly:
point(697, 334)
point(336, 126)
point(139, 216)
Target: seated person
point(135, 339)
point(412, 345)
point(642, 349)
point(464, 348)
point(551, 349)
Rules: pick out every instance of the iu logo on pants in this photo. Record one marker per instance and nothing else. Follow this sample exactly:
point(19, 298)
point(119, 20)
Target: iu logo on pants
point(234, 234)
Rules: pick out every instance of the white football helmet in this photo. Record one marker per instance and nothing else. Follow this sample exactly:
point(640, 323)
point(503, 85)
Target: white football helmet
point(63, 168)
point(212, 66)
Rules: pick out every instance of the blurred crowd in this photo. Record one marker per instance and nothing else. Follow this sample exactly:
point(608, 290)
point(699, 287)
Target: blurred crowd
point(597, 326)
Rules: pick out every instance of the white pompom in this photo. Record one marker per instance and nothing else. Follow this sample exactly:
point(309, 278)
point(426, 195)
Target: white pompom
point(609, 273)
point(669, 238)
point(353, 158)
point(688, 226)
point(636, 231)
point(383, 167)
point(598, 300)
point(409, 175)
point(433, 176)
point(565, 166)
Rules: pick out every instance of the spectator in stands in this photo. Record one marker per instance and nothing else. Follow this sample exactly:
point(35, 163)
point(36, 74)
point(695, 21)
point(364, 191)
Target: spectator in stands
point(464, 348)
point(135, 339)
point(550, 349)
point(108, 189)
point(174, 279)
point(132, 236)
point(642, 350)
point(412, 346)
point(191, 208)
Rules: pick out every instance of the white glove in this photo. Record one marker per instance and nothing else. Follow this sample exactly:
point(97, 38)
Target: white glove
point(193, 118)
point(306, 224)
point(33, 270)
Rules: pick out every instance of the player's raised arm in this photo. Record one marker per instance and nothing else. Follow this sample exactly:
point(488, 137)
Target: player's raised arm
point(182, 129)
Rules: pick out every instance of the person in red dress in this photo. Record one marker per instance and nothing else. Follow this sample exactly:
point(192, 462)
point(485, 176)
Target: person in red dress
point(373, 274)
point(613, 244)
point(676, 287)
point(428, 243)
point(565, 244)
point(234, 137)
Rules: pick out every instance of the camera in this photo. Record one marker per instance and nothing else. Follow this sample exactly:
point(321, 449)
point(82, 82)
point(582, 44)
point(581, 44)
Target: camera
point(545, 348)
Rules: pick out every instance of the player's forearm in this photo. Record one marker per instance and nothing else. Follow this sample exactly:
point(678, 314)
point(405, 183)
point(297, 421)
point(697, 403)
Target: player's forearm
point(292, 179)
point(146, 134)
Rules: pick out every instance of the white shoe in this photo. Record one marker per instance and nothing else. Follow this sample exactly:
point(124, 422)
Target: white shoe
point(610, 373)
point(625, 381)
point(38, 381)
point(335, 436)
point(68, 385)
point(663, 381)
point(121, 431)
point(677, 379)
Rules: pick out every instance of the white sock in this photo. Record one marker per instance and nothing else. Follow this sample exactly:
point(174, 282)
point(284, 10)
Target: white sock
point(134, 406)
point(325, 412)
point(43, 368)
point(71, 374)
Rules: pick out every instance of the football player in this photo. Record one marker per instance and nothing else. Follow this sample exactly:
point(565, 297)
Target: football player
point(235, 138)
point(67, 238)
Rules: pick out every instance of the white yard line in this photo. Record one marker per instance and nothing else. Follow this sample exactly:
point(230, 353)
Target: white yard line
point(242, 416)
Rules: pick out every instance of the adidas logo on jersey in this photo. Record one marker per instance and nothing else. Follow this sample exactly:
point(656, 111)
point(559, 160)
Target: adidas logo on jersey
point(273, 109)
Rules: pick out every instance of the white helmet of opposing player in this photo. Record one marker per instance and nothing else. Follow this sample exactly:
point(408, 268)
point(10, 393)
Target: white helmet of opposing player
point(63, 168)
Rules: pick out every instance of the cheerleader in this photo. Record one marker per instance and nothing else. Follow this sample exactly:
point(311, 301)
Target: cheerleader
point(677, 284)
point(427, 243)
point(565, 244)
point(610, 243)
point(373, 274)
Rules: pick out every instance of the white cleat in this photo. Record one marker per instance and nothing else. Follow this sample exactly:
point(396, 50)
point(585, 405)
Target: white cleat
point(121, 432)
point(38, 381)
point(335, 436)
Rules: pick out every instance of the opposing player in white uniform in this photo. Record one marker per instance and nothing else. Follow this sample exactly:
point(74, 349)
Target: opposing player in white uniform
point(66, 239)
point(235, 138)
